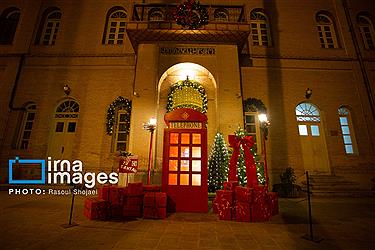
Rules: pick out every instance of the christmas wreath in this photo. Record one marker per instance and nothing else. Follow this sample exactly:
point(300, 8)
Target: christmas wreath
point(187, 84)
point(119, 103)
point(191, 15)
point(254, 105)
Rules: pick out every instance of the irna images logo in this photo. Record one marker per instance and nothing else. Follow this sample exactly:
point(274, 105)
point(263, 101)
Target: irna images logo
point(56, 172)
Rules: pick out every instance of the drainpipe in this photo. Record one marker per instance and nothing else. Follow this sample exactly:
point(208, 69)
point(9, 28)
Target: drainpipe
point(366, 81)
point(15, 86)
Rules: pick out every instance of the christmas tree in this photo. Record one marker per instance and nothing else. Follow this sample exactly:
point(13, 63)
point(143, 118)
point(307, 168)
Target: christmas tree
point(241, 168)
point(217, 164)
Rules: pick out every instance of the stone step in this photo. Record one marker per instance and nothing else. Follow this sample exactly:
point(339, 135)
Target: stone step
point(346, 193)
point(332, 185)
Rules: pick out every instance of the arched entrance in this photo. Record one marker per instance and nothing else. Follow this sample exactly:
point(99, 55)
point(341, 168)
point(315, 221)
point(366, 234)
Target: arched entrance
point(63, 131)
point(185, 148)
point(312, 138)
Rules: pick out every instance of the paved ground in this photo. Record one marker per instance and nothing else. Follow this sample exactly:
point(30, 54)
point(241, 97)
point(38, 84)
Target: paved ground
point(33, 222)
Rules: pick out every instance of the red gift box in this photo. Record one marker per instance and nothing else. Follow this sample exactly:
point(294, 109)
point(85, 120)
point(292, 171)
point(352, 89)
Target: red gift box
point(273, 203)
point(135, 189)
point(230, 185)
point(116, 211)
point(151, 188)
point(114, 195)
point(224, 195)
point(259, 195)
point(155, 200)
point(122, 191)
point(260, 212)
point(134, 200)
point(243, 194)
point(132, 211)
point(95, 208)
point(103, 192)
point(243, 211)
point(215, 207)
point(224, 200)
point(155, 213)
point(226, 212)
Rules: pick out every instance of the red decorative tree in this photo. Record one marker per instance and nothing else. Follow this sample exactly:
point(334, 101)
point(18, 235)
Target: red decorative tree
point(236, 141)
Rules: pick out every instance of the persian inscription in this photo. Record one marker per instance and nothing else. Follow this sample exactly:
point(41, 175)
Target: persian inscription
point(202, 51)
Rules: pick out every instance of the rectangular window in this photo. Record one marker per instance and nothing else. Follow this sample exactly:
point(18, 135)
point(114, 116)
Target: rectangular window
point(302, 130)
point(121, 136)
point(252, 128)
point(346, 135)
point(27, 125)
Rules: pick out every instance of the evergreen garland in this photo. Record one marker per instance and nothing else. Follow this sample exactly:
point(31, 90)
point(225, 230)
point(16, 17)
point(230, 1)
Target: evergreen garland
point(217, 164)
point(191, 15)
point(119, 103)
point(254, 105)
point(187, 84)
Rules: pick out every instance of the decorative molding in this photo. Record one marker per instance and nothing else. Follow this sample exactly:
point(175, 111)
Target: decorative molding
point(201, 51)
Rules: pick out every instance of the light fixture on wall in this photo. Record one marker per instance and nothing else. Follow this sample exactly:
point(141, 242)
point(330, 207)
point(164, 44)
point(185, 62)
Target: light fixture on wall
point(264, 124)
point(308, 93)
point(67, 89)
point(150, 126)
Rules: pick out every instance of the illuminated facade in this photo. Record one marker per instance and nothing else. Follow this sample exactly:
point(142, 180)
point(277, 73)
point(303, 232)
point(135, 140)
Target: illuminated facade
point(120, 60)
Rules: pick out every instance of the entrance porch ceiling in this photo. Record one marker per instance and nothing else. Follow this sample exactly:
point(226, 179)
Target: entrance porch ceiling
point(139, 32)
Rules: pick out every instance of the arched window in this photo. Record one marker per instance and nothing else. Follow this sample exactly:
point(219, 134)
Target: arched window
point(67, 109)
point(49, 27)
point(26, 126)
point(260, 29)
point(118, 123)
point(115, 26)
point(367, 31)
point(347, 130)
point(8, 25)
point(308, 117)
point(156, 15)
point(326, 31)
point(221, 15)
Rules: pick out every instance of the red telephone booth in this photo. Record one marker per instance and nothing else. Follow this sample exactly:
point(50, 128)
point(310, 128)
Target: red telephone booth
point(185, 161)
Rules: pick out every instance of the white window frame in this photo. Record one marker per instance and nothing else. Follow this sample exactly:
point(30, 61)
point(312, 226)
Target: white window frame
point(261, 36)
point(24, 142)
point(366, 35)
point(258, 138)
point(325, 27)
point(116, 140)
point(116, 33)
point(344, 112)
point(51, 28)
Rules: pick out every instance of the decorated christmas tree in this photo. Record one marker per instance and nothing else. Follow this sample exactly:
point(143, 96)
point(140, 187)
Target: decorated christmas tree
point(217, 164)
point(241, 168)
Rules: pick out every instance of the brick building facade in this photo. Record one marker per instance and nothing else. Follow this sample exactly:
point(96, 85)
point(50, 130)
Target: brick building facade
point(268, 50)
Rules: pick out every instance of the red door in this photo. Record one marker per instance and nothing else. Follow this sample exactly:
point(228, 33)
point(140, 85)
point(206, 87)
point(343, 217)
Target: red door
point(185, 163)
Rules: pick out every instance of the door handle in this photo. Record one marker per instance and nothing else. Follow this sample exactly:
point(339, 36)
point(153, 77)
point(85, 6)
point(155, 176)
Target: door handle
point(62, 149)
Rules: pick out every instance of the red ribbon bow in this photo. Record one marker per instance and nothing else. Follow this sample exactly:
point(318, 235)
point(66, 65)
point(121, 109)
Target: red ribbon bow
point(251, 172)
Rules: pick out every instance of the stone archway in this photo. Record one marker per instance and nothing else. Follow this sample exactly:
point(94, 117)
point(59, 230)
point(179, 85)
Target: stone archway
point(174, 74)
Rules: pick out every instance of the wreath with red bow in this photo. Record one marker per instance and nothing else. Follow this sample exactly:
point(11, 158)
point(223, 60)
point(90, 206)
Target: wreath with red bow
point(191, 15)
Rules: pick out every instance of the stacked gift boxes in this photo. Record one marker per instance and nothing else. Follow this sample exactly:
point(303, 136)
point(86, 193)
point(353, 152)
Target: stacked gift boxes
point(134, 201)
point(95, 208)
point(155, 205)
point(245, 204)
point(115, 202)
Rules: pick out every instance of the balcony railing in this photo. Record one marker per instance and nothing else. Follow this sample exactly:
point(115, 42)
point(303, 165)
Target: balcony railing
point(163, 13)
